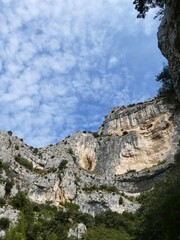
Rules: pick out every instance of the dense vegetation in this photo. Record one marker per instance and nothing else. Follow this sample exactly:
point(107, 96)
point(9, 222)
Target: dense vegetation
point(166, 81)
point(157, 219)
point(24, 162)
point(159, 215)
point(166, 90)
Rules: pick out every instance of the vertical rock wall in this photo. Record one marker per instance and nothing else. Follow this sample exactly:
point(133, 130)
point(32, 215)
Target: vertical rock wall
point(169, 40)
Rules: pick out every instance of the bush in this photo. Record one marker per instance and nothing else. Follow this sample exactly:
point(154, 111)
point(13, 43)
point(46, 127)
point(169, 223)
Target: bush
point(121, 200)
point(62, 165)
point(4, 223)
point(70, 151)
point(104, 187)
point(20, 200)
point(8, 187)
point(1, 165)
point(24, 162)
point(2, 202)
point(10, 133)
point(95, 134)
point(101, 232)
point(166, 89)
point(17, 147)
point(35, 150)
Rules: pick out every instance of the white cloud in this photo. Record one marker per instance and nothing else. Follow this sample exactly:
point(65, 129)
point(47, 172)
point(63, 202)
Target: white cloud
point(63, 64)
point(113, 61)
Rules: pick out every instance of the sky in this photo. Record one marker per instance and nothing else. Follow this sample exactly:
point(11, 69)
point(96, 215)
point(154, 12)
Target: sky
point(64, 64)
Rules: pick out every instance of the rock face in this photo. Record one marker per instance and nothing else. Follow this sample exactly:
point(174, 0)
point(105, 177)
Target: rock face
point(98, 171)
point(169, 40)
point(144, 133)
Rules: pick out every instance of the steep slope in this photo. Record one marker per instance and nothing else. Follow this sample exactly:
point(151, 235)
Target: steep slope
point(169, 40)
point(98, 171)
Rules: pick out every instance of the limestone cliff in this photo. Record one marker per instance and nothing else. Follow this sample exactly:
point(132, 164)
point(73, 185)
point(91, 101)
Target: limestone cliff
point(98, 171)
point(169, 39)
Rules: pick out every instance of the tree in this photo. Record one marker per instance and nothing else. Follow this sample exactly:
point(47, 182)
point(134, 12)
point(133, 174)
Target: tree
point(166, 81)
point(143, 6)
point(159, 214)
point(102, 232)
point(17, 232)
point(8, 187)
point(4, 223)
point(166, 89)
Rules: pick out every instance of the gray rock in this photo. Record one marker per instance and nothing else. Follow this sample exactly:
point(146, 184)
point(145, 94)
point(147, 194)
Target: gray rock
point(133, 148)
point(78, 231)
point(169, 40)
point(9, 212)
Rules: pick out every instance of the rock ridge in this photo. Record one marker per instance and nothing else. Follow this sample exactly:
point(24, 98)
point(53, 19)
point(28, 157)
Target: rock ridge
point(132, 149)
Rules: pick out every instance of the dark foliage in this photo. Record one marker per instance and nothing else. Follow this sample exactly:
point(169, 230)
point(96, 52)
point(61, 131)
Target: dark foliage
point(159, 215)
point(8, 187)
point(166, 81)
point(166, 89)
point(1, 165)
point(2, 202)
point(24, 162)
point(143, 6)
point(4, 223)
point(62, 165)
point(106, 188)
point(10, 133)
point(20, 201)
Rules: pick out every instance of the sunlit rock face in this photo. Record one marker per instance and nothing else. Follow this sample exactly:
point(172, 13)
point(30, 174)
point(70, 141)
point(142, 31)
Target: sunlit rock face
point(169, 40)
point(133, 148)
point(141, 136)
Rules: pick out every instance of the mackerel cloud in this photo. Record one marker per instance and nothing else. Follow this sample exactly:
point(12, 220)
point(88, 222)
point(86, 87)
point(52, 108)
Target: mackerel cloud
point(64, 64)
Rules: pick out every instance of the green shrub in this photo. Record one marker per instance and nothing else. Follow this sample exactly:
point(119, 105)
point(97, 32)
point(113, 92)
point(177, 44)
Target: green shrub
point(95, 134)
point(104, 187)
point(166, 89)
point(101, 232)
point(8, 186)
point(1, 165)
point(4, 223)
point(109, 189)
point(10, 133)
point(17, 147)
point(70, 151)
point(160, 208)
point(62, 165)
point(35, 150)
point(71, 207)
point(6, 167)
point(20, 200)
point(24, 162)
point(2, 202)
point(121, 200)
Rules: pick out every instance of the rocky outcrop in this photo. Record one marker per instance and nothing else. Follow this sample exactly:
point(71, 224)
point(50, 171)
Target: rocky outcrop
point(77, 232)
point(142, 133)
point(169, 40)
point(133, 148)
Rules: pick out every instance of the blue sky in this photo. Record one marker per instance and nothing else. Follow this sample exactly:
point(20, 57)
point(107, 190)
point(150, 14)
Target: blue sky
point(64, 64)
